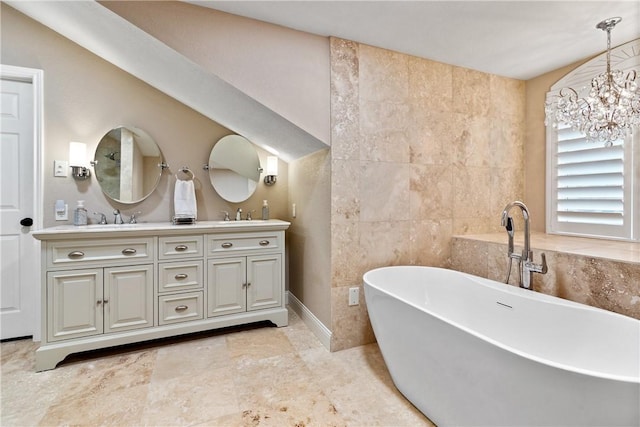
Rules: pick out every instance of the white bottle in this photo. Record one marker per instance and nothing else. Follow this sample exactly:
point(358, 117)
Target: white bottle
point(80, 214)
point(265, 210)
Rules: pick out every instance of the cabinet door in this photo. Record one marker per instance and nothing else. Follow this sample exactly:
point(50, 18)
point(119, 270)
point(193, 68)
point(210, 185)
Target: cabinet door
point(226, 286)
point(128, 298)
point(264, 283)
point(74, 304)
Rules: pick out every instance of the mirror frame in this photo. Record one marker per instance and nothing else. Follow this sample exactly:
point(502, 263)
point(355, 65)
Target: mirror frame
point(234, 165)
point(142, 142)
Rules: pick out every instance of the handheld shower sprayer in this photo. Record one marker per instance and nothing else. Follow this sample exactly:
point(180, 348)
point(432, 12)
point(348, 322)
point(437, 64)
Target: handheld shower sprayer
point(507, 223)
point(510, 232)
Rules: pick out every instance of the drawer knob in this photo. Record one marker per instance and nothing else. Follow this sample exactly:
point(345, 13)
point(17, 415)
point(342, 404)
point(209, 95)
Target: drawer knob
point(76, 254)
point(129, 251)
point(264, 243)
point(181, 276)
point(181, 307)
point(227, 245)
point(181, 248)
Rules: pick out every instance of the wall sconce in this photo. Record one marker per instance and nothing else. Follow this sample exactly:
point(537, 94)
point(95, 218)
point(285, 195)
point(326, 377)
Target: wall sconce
point(272, 170)
point(77, 160)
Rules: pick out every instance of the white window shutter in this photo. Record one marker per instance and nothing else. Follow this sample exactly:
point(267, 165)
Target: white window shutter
point(590, 186)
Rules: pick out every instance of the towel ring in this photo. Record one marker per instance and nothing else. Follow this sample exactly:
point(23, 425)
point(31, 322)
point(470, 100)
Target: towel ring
point(185, 170)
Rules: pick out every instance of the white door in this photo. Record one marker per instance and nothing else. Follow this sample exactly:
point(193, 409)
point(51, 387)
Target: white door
point(19, 255)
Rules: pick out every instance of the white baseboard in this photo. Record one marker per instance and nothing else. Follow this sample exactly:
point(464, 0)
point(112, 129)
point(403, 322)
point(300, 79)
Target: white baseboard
point(313, 323)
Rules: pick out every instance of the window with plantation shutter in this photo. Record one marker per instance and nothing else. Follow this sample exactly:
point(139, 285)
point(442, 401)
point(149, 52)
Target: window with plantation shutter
point(590, 186)
point(593, 190)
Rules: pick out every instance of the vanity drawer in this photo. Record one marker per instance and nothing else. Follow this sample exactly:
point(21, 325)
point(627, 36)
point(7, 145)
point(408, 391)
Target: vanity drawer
point(180, 307)
point(219, 243)
point(180, 247)
point(179, 276)
point(85, 252)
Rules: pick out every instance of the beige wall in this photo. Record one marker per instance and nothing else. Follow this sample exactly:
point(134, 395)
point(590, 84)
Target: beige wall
point(535, 147)
point(420, 151)
point(284, 69)
point(85, 96)
point(309, 239)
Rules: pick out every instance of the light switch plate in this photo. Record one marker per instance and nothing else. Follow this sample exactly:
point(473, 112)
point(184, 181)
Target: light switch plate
point(60, 168)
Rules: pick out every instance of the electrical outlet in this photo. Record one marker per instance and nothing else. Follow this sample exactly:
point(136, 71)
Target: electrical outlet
point(354, 296)
point(61, 210)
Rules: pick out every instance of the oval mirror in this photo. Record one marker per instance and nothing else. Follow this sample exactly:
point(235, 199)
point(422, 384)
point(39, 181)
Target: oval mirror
point(128, 164)
point(234, 168)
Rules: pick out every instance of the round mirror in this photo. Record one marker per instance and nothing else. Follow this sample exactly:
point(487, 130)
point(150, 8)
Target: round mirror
point(234, 168)
point(127, 164)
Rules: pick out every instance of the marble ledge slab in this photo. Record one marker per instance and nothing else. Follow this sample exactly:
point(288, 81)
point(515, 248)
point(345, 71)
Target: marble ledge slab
point(614, 250)
point(153, 228)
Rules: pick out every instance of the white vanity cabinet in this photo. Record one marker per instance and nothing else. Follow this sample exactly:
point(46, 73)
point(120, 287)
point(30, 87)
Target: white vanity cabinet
point(244, 272)
point(111, 285)
point(83, 302)
point(180, 281)
point(241, 284)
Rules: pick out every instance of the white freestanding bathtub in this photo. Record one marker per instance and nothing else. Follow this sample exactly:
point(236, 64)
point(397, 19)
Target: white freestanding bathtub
point(468, 351)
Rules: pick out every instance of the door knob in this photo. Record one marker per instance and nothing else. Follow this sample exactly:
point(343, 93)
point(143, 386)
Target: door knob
point(26, 222)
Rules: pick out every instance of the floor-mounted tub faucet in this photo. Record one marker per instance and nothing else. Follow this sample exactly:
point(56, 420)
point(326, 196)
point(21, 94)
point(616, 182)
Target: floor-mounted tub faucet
point(525, 261)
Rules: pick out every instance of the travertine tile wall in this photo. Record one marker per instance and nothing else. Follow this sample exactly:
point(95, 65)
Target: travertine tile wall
point(608, 284)
point(420, 151)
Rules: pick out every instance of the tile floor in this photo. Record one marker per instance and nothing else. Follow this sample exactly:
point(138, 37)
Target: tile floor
point(248, 376)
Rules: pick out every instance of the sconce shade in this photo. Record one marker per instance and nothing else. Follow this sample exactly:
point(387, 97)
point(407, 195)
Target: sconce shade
point(77, 160)
point(77, 154)
point(271, 174)
point(272, 165)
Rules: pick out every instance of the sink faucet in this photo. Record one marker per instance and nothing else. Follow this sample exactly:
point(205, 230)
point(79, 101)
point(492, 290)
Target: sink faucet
point(527, 266)
point(103, 217)
point(133, 219)
point(239, 215)
point(118, 217)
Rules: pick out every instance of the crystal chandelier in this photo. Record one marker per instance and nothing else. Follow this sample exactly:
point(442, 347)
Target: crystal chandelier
point(609, 110)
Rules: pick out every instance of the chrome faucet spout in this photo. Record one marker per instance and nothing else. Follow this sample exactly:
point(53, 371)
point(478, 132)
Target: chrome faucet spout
point(525, 215)
point(117, 217)
point(526, 265)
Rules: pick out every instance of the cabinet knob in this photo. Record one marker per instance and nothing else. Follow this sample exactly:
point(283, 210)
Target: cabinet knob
point(227, 245)
point(181, 276)
point(181, 307)
point(264, 243)
point(75, 254)
point(105, 301)
point(99, 302)
point(181, 248)
point(129, 251)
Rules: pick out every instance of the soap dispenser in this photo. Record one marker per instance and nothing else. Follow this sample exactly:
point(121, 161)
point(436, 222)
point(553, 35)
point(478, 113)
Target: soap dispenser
point(265, 210)
point(80, 214)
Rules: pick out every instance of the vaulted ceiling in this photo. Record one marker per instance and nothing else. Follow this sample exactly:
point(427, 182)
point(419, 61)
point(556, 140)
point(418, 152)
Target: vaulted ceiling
point(518, 39)
point(116, 40)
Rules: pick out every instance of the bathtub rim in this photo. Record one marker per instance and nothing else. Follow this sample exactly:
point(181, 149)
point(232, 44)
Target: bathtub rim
point(502, 287)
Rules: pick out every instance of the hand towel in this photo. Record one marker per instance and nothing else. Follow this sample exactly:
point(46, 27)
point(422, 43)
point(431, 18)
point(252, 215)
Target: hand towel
point(184, 200)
